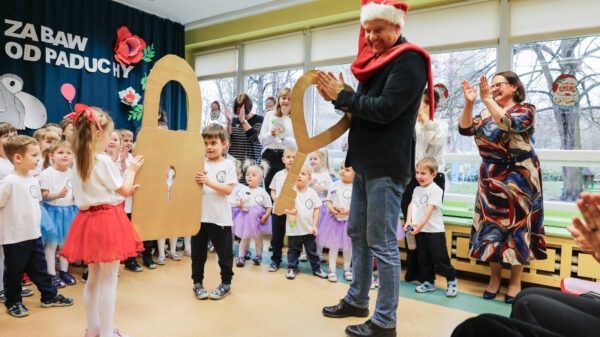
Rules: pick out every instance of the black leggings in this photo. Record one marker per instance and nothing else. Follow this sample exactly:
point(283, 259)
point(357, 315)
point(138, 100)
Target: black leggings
point(539, 312)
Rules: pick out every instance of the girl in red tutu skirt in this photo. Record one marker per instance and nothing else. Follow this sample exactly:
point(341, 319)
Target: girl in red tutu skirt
point(101, 235)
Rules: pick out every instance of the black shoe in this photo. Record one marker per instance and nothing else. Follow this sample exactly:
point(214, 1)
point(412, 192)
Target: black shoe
point(150, 264)
point(57, 301)
point(369, 329)
point(133, 266)
point(345, 309)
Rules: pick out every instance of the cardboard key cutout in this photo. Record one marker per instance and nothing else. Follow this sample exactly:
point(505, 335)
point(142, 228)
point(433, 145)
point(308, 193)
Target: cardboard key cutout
point(168, 202)
point(306, 145)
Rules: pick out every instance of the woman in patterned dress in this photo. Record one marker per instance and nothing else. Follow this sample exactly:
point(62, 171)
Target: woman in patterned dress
point(508, 221)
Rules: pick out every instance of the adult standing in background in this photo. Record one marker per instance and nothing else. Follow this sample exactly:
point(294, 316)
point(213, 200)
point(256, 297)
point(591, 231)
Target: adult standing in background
point(277, 134)
point(508, 222)
point(392, 75)
point(244, 130)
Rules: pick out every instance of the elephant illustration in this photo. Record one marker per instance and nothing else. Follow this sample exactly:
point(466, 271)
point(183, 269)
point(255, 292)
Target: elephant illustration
point(19, 108)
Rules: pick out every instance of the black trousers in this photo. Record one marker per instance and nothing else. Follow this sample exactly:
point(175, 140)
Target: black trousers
point(538, 312)
point(277, 236)
point(433, 254)
point(295, 246)
point(412, 256)
point(26, 257)
point(273, 157)
point(220, 236)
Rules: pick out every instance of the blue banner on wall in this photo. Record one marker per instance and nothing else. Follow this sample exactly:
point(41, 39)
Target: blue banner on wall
point(101, 49)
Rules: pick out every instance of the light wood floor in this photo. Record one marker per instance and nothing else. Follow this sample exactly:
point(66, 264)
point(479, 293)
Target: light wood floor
point(160, 302)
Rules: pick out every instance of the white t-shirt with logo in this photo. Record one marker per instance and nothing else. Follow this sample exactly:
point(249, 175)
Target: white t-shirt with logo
point(340, 195)
point(20, 214)
point(254, 197)
point(54, 181)
point(215, 207)
point(6, 167)
point(322, 179)
point(235, 194)
point(100, 188)
point(278, 180)
point(305, 205)
point(423, 196)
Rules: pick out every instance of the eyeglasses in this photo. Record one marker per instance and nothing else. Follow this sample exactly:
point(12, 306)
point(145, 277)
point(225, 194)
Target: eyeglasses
point(497, 85)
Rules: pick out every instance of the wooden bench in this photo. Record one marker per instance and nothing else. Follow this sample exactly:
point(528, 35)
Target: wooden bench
point(565, 259)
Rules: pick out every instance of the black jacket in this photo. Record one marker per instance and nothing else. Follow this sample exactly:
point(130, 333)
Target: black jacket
point(384, 110)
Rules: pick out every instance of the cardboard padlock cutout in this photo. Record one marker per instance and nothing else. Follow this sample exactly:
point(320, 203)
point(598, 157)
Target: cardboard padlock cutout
point(168, 202)
point(306, 145)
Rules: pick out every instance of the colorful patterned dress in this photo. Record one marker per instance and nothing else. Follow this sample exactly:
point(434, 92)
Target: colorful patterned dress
point(508, 224)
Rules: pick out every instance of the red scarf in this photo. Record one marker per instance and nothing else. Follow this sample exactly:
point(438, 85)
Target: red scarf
point(366, 64)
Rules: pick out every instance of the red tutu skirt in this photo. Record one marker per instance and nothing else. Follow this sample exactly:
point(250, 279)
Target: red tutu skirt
point(101, 233)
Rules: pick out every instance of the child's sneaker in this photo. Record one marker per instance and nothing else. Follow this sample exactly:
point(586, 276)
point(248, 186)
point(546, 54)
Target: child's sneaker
point(425, 287)
point(221, 291)
point(247, 255)
point(67, 278)
point(175, 256)
point(348, 275)
point(257, 260)
point(303, 257)
point(273, 267)
point(57, 282)
point(57, 301)
point(26, 281)
point(320, 273)
point(162, 260)
point(148, 263)
point(200, 292)
point(26, 292)
point(240, 262)
point(332, 277)
point(18, 310)
point(452, 289)
point(132, 265)
point(2, 296)
point(291, 274)
point(84, 276)
point(117, 333)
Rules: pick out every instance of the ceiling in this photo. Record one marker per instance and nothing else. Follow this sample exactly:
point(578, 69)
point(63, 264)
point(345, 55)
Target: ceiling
point(199, 13)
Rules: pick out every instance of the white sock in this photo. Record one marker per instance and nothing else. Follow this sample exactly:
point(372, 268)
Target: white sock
point(258, 245)
point(1, 268)
point(347, 254)
point(333, 253)
point(161, 248)
point(63, 264)
point(187, 243)
point(108, 296)
point(173, 242)
point(243, 247)
point(91, 296)
point(50, 252)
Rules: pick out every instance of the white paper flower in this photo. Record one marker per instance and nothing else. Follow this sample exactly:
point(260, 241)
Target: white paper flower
point(129, 96)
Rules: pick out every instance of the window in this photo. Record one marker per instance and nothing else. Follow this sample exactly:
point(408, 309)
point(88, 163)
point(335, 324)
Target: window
point(562, 80)
point(450, 69)
point(221, 90)
point(264, 85)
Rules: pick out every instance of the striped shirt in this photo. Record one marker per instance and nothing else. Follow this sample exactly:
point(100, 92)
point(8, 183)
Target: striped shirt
point(245, 145)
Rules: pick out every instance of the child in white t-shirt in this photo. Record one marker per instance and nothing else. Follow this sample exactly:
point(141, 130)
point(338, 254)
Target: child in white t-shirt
point(278, 221)
point(6, 167)
point(57, 193)
point(425, 219)
point(218, 179)
point(20, 234)
point(301, 226)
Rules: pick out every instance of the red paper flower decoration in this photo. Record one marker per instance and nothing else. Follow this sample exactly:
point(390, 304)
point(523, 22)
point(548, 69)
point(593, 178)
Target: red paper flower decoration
point(129, 47)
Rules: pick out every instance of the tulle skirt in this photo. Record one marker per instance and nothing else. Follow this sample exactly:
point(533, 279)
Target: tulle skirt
point(322, 210)
point(247, 223)
point(101, 233)
point(333, 232)
point(56, 221)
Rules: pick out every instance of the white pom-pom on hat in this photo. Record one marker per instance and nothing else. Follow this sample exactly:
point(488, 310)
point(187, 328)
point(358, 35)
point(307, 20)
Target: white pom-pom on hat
point(389, 10)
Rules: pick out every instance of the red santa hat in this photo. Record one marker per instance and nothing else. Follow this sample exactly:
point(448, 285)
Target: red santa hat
point(389, 10)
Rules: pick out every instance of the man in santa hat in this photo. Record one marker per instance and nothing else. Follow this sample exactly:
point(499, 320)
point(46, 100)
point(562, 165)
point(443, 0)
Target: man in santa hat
point(392, 75)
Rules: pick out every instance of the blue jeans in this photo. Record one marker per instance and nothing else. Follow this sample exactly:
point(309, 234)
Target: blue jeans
point(374, 212)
